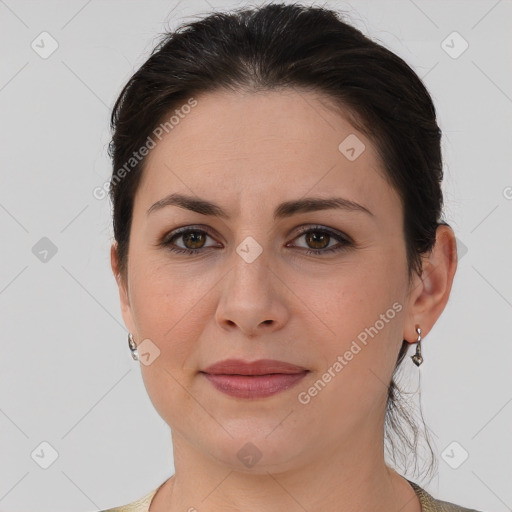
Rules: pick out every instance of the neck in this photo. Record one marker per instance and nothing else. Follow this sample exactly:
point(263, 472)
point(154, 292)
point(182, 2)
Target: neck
point(358, 479)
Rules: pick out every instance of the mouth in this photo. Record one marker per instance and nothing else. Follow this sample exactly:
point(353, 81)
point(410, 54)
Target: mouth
point(258, 379)
point(259, 367)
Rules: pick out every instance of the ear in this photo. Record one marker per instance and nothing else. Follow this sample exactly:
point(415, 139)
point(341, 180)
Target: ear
point(124, 296)
point(431, 291)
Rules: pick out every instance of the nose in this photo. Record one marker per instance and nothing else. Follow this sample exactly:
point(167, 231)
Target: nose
point(253, 297)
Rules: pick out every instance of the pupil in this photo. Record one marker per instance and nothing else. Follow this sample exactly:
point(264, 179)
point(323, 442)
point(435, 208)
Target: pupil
point(315, 239)
point(193, 237)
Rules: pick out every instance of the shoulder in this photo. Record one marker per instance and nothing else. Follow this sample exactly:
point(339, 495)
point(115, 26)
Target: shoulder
point(430, 504)
point(141, 505)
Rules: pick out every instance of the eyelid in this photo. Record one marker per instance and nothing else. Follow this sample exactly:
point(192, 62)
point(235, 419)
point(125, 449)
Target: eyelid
point(304, 228)
point(175, 233)
point(317, 227)
point(344, 240)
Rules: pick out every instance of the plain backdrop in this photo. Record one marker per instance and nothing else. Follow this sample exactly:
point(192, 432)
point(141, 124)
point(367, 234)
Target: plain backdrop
point(71, 397)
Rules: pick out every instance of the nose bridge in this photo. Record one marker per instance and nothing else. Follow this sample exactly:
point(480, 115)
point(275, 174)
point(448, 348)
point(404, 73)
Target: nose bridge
point(251, 263)
point(251, 257)
point(249, 298)
point(251, 236)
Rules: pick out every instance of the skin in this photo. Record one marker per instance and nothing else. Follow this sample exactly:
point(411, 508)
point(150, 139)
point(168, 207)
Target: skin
point(235, 149)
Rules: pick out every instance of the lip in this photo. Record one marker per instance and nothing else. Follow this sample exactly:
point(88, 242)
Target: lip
point(257, 379)
point(259, 367)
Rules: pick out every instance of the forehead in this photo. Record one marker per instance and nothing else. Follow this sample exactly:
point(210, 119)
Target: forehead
point(249, 145)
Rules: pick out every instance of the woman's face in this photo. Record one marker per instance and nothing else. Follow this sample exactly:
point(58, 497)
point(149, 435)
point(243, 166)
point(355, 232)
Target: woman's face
point(253, 292)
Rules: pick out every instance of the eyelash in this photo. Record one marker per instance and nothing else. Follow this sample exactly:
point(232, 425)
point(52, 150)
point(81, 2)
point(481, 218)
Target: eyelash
point(167, 240)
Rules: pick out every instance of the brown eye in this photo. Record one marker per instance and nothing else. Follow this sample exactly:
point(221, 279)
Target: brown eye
point(193, 241)
point(317, 240)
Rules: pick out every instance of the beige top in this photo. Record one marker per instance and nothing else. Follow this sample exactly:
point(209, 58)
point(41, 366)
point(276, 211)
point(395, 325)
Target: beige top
point(428, 503)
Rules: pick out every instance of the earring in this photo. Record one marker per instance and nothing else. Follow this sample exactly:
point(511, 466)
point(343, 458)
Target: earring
point(417, 359)
point(133, 347)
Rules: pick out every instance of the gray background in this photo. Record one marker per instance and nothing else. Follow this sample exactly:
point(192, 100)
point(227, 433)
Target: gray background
point(66, 375)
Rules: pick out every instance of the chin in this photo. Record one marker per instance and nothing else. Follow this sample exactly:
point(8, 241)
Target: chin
point(256, 450)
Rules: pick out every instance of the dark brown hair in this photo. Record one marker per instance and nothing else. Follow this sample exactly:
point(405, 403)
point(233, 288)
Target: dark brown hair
point(310, 49)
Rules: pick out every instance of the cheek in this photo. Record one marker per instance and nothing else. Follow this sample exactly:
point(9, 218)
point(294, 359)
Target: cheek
point(165, 308)
point(167, 390)
point(169, 312)
point(363, 309)
point(358, 357)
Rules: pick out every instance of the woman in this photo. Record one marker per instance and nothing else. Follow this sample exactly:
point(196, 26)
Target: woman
point(278, 246)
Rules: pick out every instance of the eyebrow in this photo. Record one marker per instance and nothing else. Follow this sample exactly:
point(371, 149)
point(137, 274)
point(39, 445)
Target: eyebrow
point(285, 209)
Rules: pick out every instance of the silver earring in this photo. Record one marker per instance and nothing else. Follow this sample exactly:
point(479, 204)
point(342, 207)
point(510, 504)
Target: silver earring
point(417, 359)
point(133, 347)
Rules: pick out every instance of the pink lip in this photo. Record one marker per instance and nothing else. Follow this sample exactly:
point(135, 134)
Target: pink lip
point(259, 367)
point(256, 379)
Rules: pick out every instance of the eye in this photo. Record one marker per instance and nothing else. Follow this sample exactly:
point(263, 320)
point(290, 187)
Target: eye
point(194, 240)
point(320, 237)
